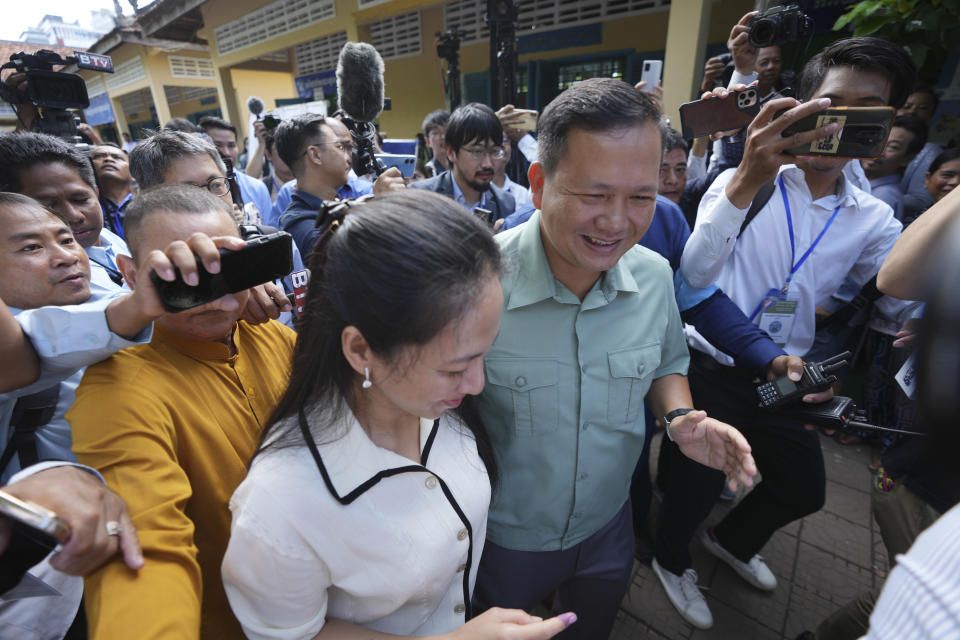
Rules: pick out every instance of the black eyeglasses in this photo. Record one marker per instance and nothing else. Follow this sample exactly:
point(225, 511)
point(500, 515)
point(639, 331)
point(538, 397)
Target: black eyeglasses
point(217, 185)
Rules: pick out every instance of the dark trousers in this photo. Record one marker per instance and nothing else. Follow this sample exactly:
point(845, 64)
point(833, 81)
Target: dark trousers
point(787, 456)
point(590, 578)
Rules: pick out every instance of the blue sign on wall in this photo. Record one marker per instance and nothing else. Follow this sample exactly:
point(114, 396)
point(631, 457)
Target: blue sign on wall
point(325, 81)
point(100, 111)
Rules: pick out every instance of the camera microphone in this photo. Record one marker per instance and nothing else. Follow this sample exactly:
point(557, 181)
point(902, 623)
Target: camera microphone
point(360, 98)
point(255, 106)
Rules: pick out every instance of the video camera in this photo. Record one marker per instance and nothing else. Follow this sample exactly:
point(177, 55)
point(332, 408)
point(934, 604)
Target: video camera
point(51, 92)
point(779, 25)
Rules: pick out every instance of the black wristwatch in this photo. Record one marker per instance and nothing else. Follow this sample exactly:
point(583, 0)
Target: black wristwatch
point(670, 417)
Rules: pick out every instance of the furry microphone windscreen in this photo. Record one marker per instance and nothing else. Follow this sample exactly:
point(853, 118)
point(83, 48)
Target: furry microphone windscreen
point(360, 81)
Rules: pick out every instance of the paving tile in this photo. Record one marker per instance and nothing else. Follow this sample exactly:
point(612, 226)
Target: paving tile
point(626, 627)
point(829, 576)
point(839, 537)
point(647, 602)
point(850, 504)
point(767, 608)
point(847, 465)
point(807, 610)
point(730, 623)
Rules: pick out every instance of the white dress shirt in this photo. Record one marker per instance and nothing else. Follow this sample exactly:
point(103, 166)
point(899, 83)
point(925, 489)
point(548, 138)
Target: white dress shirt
point(856, 244)
point(376, 540)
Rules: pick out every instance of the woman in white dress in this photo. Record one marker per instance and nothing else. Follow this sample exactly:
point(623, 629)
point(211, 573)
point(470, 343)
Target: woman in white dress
point(365, 509)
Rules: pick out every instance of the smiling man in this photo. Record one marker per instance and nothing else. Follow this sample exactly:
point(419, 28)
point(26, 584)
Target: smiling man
point(474, 141)
point(589, 327)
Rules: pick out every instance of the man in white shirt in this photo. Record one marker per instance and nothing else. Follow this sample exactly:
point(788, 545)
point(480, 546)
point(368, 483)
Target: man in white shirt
point(815, 230)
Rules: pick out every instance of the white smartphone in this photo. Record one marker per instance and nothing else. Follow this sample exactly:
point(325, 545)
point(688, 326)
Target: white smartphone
point(652, 69)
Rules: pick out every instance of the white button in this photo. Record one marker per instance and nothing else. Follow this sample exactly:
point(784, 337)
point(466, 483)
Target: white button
point(459, 609)
point(462, 534)
point(521, 381)
point(431, 482)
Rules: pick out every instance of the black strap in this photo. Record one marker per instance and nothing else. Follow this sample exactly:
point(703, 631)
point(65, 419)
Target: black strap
point(868, 294)
point(759, 202)
point(29, 414)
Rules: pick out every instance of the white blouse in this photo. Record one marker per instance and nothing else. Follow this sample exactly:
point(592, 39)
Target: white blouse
point(362, 535)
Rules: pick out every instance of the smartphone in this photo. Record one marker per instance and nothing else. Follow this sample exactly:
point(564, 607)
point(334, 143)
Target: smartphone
point(38, 522)
point(527, 120)
point(863, 132)
point(652, 69)
point(263, 259)
point(703, 117)
point(406, 163)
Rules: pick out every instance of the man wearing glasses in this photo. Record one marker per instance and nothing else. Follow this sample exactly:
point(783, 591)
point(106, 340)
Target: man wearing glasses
point(474, 142)
point(319, 152)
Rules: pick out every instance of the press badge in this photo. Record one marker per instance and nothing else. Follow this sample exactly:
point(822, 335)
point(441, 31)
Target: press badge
point(777, 320)
point(907, 376)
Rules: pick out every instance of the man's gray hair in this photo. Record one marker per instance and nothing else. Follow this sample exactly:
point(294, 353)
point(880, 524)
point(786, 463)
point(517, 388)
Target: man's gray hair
point(151, 158)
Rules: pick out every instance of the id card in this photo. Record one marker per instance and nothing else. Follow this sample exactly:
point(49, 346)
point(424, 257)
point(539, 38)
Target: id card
point(907, 376)
point(777, 320)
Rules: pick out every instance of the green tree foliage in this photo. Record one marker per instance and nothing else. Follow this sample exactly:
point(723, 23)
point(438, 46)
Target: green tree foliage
point(926, 28)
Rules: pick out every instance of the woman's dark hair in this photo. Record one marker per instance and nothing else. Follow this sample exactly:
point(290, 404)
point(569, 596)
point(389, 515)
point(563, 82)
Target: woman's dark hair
point(473, 121)
point(400, 269)
point(864, 54)
point(945, 156)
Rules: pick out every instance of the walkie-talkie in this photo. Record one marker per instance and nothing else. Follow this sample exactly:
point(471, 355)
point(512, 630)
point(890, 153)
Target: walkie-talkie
point(817, 376)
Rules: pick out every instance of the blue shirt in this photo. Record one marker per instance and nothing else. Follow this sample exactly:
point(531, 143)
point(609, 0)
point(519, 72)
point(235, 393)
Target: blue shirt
point(105, 275)
point(708, 309)
point(458, 196)
point(253, 190)
point(113, 213)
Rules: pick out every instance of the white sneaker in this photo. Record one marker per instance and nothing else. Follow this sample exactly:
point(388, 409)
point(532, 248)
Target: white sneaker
point(684, 594)
point(756, 571)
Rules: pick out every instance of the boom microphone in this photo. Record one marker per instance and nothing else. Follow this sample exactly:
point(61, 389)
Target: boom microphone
point(255, 105)
point(360, 98)
point(360, 82)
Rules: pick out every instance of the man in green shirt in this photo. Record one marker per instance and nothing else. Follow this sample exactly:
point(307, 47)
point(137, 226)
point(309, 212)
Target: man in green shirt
point(590, 326)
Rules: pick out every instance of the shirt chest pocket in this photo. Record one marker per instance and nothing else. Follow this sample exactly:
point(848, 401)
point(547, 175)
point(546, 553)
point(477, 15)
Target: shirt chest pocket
point(631, 371)
point(528, 386)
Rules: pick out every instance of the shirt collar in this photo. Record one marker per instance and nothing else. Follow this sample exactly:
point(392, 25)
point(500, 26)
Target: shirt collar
point(458, 195)
point(535, 281)
point(308, 199)
point(352, 463)
point(847, 196)
point(201, 350)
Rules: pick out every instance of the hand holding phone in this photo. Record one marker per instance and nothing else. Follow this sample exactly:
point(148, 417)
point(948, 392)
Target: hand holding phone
point(234, 266)
point(863, 132)
point(725, 111)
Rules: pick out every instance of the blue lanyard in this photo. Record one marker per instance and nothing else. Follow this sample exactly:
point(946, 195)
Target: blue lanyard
point(781, 294)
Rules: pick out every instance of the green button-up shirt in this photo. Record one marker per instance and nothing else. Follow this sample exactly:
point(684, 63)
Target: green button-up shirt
point(565, 386)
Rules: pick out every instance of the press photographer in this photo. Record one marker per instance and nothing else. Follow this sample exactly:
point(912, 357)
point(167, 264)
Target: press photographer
point(43, 98)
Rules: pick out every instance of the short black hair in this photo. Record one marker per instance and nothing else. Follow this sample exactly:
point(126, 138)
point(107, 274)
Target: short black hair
point(211, 122)
point(434, 119)
point(597, 104)
point(673, 140)
point(21, 150)
point(473, 121)
point(947, 155)
point(294, 135)
point(917, 127)
point(930, 91)
point(864, 54)
point(182, 124)
point(167, 198)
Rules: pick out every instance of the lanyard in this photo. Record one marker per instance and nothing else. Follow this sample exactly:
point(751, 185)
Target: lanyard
point(781, 294)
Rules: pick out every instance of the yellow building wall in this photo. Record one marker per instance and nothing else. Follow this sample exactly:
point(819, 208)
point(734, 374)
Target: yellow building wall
point(266, 85)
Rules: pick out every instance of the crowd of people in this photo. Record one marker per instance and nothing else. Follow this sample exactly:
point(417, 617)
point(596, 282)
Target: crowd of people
point(452, 430)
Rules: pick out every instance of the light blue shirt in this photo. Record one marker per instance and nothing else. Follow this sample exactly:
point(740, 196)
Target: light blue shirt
point(66, 339)
point(566, 379)
point(254, 191)
point(103, 262)
point(458, 196)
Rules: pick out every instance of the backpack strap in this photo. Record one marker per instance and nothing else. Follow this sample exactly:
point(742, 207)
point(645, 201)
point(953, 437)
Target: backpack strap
point(759, 202)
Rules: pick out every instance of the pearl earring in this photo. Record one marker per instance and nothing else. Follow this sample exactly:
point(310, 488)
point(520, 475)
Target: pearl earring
point(366, 379)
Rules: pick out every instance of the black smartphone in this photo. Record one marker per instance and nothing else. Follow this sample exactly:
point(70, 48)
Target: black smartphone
point(863, 132)
point(703, 117)
point(263, 259)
